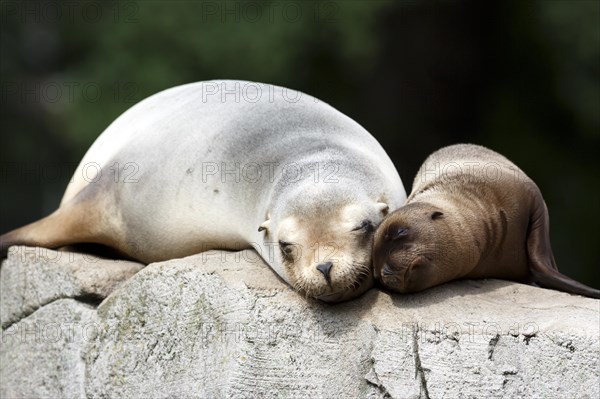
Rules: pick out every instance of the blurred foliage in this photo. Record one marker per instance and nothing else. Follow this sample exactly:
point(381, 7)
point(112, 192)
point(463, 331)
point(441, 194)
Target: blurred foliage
point(519, 77)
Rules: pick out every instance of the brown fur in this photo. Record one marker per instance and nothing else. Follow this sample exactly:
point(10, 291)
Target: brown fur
point(472, 214)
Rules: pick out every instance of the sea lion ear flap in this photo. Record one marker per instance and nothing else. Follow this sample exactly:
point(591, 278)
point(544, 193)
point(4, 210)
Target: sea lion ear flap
point(382, 207)
point(264, 225)
point(437, 215)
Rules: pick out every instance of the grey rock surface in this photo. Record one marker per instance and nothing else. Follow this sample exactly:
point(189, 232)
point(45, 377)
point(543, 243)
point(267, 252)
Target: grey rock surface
point(42, 356)
point(33, 277)
point(222, 324)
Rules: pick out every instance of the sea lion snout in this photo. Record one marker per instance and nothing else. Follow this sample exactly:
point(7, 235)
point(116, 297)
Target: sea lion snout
point(393, 274)
point(405, 274)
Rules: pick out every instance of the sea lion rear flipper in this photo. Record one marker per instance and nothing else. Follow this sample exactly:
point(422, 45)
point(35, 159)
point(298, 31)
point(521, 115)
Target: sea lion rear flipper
point(70, 224)
point(52, 231)
point(541, 260)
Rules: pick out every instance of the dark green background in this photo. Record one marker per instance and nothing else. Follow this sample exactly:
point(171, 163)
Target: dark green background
point(521, 77)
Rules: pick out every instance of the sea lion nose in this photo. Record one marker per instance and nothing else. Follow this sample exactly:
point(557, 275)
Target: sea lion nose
point(325, 268)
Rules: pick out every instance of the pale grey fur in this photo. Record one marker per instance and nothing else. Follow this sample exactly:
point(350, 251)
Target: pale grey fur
point(165, 141)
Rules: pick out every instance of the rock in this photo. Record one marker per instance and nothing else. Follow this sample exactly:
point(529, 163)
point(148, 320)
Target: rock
point(33, 277)
point(222, 324)
point(43, 354)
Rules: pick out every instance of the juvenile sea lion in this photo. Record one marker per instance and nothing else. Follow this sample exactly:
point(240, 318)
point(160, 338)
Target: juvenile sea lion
point(232, 165)
point(471, 214)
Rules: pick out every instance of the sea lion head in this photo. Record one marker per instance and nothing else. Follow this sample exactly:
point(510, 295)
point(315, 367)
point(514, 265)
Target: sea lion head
point(416, 248)
point(322, 244)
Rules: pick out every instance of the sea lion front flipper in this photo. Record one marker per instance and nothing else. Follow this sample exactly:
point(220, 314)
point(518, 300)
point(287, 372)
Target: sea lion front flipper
point(541, 260)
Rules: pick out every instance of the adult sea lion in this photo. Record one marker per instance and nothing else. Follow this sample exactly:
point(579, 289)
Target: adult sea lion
point(232, 165)
point(471, 214)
